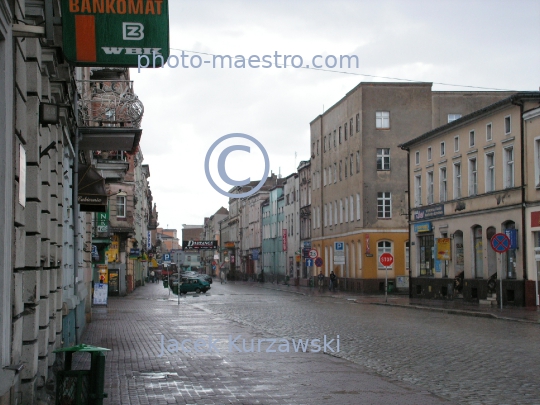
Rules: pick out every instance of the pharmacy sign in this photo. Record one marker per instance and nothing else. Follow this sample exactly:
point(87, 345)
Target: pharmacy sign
point(115, 32)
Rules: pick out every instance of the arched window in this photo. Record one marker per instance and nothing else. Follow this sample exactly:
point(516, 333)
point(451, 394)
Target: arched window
point(384, 246)
point(478, 249)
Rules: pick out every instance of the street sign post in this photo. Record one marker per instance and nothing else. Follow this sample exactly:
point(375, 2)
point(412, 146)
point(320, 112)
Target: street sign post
point(386, 260)
point(309, 262)
point(319, 262)
point(500, 243)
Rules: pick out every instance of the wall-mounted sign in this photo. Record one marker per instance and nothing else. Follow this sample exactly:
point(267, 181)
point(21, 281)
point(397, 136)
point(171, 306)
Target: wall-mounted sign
point(115, 33)
point(255, 254)
point(201, 244)
point(284, 239)
point(443, 249)
point(134, 253)
point(431, 212)
point(102, 221)
point(422, 227)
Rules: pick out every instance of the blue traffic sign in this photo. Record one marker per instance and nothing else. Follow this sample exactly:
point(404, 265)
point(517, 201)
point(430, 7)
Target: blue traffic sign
point(318, 262)
point(339, 246)
point(309, 262)
point(500, 243)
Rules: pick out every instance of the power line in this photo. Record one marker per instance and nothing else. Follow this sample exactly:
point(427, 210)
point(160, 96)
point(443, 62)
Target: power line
point(368, 75)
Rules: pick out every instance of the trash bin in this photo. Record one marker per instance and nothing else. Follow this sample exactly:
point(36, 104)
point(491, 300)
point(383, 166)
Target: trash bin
point(165, 284)
point(81, 387)
point(390, 286)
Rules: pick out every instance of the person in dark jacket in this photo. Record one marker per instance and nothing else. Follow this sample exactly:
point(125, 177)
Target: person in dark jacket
point(321, 280)
point(333, 282)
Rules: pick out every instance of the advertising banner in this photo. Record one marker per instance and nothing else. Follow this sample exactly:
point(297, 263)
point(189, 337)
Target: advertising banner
point(100, 293)
point(200, 244)
point(284, 239)
point(443, 249)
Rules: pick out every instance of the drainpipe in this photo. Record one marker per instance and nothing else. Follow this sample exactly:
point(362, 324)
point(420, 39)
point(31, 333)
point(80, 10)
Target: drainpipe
point(409, 216)
point(76, 208)
point(523, 191)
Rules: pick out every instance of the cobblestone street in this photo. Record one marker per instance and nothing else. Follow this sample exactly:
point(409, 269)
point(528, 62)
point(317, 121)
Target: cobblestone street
point(387, 355)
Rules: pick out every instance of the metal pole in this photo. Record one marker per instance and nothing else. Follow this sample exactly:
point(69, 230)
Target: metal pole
point(501, 289)
point(386, 284)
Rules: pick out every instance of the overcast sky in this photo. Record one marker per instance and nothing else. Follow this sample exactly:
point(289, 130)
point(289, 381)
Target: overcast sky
point(491, 44)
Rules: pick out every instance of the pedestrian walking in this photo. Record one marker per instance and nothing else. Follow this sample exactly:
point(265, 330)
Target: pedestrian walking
point(321, 280)
point(333, 282)
point(153, 276)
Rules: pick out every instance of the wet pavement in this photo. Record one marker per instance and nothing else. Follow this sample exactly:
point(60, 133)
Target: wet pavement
point(388, 355)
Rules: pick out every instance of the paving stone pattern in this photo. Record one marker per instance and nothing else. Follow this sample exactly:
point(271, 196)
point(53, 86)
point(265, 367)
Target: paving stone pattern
point(136, 374)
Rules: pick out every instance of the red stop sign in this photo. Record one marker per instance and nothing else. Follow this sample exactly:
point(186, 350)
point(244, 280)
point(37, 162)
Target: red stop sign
point(386, 259)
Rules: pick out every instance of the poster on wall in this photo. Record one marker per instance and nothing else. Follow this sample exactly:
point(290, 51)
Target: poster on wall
point(443, 249)
point(100, 293)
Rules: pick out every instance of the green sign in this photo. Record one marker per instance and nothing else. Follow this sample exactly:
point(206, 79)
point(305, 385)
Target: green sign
point(102, 221)
point(115, 32)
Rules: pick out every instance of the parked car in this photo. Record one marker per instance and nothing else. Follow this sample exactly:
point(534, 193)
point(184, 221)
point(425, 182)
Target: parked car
point(193, 284)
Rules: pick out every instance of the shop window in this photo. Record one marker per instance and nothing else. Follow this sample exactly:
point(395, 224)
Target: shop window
point(478, 249)
point(426, 256)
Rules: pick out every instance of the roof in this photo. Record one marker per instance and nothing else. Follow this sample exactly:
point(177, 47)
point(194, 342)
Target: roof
point(521, 96)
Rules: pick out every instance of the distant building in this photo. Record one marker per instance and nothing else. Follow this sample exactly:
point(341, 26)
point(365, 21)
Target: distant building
point(471, 179)
point(291, 226)
point(304, 175)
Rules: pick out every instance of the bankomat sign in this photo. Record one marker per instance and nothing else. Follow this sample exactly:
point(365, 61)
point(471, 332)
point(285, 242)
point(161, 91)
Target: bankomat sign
point(115, 32)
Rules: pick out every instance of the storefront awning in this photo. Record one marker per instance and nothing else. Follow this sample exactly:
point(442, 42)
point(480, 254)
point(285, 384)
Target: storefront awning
point(109, 138)
point(92, 196)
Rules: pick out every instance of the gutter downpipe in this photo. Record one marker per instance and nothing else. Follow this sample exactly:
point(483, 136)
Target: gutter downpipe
point(409, 215)
point(76, 208)
point(523, 195)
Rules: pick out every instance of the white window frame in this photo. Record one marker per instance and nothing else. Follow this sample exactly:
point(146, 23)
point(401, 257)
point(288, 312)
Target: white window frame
point(453, 117)
point(340, 211)
point(456, 143)
point(358, 207)
point(509, 175)
point(383, 246)
point(330, 214)
point(429, 184)
point(490, 172)
point(123, 205)
point(417, 157)
point(443, 184)
point(351, 208)
point(336, 213)
point(489, 132)
point(335, 173)
point(443, 149)
point(473, 176)
point(458, 180)
point(429, 153)
point(418, 190)
point(346, 210)
point(324, 176)
point(472, 139)
point(508, 128)
point(382, 119)
point(325, 215)
point(384, 155)
point(384, 200)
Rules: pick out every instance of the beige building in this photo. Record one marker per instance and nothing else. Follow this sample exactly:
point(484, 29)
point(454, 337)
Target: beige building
point(470, 180)
point(359, 177)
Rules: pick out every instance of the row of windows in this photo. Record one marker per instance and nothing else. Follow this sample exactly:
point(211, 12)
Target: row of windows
point(472, 140)
point(335, 215)
point(489, 181)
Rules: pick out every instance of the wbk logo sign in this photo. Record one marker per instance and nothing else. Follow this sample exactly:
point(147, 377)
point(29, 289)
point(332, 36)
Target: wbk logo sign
point(133, 31)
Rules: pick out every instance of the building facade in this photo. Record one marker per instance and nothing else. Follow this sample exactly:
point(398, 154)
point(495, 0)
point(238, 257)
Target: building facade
point(304, 176)
point(358, 175)
point(471, 180)
point(291, 226)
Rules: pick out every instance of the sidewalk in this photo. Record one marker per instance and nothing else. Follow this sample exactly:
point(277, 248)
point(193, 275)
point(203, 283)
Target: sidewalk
point(529, 315)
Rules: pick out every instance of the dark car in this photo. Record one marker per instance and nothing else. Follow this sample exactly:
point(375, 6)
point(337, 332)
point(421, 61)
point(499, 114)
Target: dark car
point(193, 284)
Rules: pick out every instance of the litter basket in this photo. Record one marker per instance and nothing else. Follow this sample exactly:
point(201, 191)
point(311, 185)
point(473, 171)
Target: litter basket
point(165, 284)
point(81, 387)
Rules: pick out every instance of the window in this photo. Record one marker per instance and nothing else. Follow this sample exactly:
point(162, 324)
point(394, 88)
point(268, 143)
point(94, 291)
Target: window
point(335, 173)
point(335, 144)
point(382, 120)
point(443, 148)
point(317, 148)
point(330, 214)
point(383, 246)
point(429, 153)
point(330, 140)
point(351, 127)
point(357, 162)
point(351, 208)
point(340, 211)
point(384, 205)
point(456, 143)
point(340, 170)
point(324, 144)
point(340, 135)
point(358, 122)
point(489, 135)
point(351, 164)
point(417, 157)
point(418, 190)
point(490, 172)
point(383, 159)
point(313, 149)
point(537, 161)
point(508, 167)
point(453, 117)
point(471, 139)
point(345, 130)
point(507, 125)
point(325, 215)
point(407, 255)
point(324, 177)
point(457, 180)
point(473, 177)
point(442, 184)
point(426, 248)
point(430, 188)
point(346, 209)
point(358, 207)
point(335, 212)
point(478, 250)
point(121, 206)
point(346, 165)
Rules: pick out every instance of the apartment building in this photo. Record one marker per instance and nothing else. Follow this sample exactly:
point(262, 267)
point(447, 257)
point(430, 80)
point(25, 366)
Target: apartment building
point(304, 175)
point(273, 248)
point(358, 174)
point(471, 179)
point(291, 225)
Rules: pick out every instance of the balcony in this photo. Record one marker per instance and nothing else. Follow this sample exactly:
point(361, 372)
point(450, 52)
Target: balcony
point(110, 114)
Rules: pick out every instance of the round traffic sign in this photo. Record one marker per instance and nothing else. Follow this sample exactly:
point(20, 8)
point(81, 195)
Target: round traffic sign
point(318, 262)
point(313, 254)
point(386, 259)
point(500, 243)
